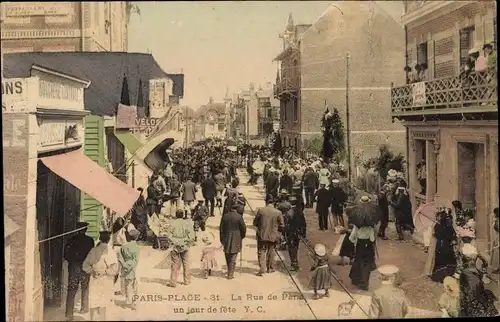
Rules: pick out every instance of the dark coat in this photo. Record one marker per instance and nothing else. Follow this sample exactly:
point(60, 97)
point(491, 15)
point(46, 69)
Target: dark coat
point(339, 198)
point(189, 191)
point(311, 180)
point(383, 204)
point(286, 182)
point(208, 188)
point(232, 231)
point(323, 200)
point(269, 222)
point(77, 248)
point(402, 210)
point(295, 224)
point(272, 183)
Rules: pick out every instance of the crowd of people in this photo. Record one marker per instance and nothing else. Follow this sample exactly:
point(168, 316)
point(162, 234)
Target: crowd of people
point(291, 184)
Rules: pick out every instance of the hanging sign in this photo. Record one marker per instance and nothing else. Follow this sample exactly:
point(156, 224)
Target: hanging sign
point(418, 93)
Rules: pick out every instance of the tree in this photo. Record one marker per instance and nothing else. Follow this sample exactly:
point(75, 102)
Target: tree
point(385, 161)
point(131, 8)
point(333, 136)
point(315, 146)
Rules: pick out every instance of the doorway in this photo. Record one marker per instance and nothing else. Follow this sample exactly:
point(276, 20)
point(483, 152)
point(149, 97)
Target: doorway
point(472, 184)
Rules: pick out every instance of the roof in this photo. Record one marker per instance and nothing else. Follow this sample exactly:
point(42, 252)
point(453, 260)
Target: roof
point(105, 70)
point(220, 108)
point(187, 110)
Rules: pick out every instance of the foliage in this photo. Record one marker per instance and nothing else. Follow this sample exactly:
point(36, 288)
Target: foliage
point(385, 162)
point(315, 146)
point(131, 8)
point(334, 145)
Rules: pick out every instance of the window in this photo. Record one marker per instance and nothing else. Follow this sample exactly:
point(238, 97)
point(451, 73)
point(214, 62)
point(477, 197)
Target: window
point(220, 127)
point(269, 112)
point(422, 53)
point(466, 43)
point(295, 110)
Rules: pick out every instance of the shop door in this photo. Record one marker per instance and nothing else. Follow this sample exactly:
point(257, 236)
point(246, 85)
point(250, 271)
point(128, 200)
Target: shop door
point(467, 175)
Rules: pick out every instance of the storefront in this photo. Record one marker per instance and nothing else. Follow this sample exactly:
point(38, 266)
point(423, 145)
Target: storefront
point(47, 172)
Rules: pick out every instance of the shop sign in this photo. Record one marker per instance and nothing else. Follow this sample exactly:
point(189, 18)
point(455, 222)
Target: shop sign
point(14, 95)
point(60, 91)
point(52, 134)
point(418, 93)
point(146, 125)
point(24, 9)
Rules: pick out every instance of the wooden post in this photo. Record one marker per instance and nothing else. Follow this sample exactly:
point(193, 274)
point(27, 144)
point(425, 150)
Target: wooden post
point(133, 174)
point(347, 121)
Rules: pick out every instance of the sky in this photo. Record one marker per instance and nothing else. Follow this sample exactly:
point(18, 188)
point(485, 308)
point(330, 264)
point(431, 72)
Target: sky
point(218, 45)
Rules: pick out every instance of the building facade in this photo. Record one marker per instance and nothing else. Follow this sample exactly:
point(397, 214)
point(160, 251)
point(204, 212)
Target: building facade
point(65, 26)
point(451, 117)
point(314, 71)
point(210, 121)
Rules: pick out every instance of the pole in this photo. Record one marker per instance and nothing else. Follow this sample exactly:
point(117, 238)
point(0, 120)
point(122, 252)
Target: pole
point(347, 121)
point(133, 174)
point(185, 127)
point(247, 123)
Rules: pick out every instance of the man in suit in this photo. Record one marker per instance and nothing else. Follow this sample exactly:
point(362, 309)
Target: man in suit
point(269, 223)
point(286, 182)
point(295, 229)
point(188, 190)
point(311, 183)
point(75, 253)
point(209, 190)
point(272, 184)
point(220, 185)
point(232, 230)
point(322, 198)
point(388, 301)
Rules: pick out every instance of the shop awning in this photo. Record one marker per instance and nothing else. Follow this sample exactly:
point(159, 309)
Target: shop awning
point(129, 141)
point(90, 178)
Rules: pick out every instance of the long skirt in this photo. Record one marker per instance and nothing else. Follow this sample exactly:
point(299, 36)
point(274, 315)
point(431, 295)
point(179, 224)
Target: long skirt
point(364, 263)
point(431, 257)
point(321, 279)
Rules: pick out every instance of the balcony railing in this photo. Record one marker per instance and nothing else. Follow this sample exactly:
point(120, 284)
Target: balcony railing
point(286, 85)
point(447, 95)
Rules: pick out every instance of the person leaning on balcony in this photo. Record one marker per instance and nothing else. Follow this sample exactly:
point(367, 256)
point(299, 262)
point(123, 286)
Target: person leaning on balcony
point(491, 57)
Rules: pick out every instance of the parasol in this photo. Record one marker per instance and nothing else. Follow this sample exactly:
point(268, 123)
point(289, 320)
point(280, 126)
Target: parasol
point(364, 214)
point(425, 216)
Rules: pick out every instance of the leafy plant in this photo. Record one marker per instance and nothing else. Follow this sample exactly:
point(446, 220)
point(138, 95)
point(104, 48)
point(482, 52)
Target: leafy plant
point(315, 146)
point(131, 8)
point(334, 146)
point(387, 161)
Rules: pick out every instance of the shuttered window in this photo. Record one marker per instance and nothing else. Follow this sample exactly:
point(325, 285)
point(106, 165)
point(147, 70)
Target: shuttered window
point(91, 209)
point(116, 155)
point(466, 43)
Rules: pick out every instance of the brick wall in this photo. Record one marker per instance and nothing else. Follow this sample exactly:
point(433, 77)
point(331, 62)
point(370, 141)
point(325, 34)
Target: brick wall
point(376, 46)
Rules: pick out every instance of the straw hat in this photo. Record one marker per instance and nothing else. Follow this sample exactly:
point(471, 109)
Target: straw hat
point(388, 270)
point(208, 239)
point(451, 286)
point(364, 199)
point(283, 192)
point(335, 181)
point(320, 249)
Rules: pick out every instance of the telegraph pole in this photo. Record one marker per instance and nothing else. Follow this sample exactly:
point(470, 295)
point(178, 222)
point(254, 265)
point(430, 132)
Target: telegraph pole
point(186, 127)
point(347, 120)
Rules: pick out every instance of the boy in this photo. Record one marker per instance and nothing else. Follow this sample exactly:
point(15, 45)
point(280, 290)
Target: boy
point(199, 216)
point(128, 257)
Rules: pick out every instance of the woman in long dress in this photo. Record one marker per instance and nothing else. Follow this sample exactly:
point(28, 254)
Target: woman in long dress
point(495, 260)
point(431, 252)
point(444, 261)
point(102, 265)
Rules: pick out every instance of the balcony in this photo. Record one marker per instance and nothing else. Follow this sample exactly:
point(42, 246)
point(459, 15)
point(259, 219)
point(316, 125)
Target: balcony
point(476, 93)
point(286, 86)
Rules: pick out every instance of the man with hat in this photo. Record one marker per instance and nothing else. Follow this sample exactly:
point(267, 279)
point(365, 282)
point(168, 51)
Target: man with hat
point(286, 182)
point(200, 216)
point(283, 206)
point(388, 301)
point(311, 183)
point(339, 198)
point(295, 229)
point(232, 231)
point(77, 249)
point(272, 184)
point(269, 223)
point(128, 257)
point(323, 201)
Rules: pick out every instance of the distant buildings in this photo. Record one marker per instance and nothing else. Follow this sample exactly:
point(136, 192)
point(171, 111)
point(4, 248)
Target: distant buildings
point(451, 117)
point(313, 71)
point(252, 113)
point(210, 121)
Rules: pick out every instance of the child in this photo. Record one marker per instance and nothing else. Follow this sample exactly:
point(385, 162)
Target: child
point(128, 257)
point(448, 302)
point(199, 216)
point(321, 279)
point(208, 260)
point(347, 250)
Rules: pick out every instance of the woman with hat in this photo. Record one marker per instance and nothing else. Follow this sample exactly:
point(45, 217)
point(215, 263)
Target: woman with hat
point(102, 265)
point(475, 299)
point(321, 279)
point(402, 211)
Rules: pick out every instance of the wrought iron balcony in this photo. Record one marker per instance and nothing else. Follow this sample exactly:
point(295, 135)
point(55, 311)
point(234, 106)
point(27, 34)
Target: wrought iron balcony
point(474, 93)
point(285, 86)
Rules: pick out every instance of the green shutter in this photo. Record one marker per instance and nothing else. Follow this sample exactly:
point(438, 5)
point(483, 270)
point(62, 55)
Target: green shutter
point(91, 209)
